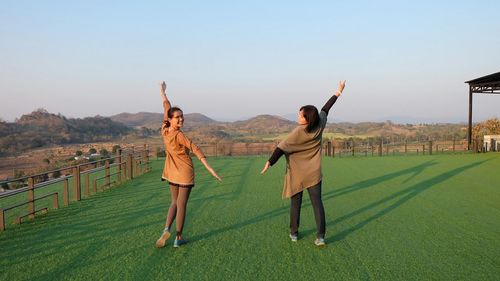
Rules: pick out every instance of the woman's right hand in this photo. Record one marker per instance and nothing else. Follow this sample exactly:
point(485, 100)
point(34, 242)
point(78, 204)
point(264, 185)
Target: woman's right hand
point(266, 166)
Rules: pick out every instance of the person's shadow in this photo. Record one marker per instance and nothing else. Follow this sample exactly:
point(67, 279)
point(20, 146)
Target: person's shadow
point(407, 194)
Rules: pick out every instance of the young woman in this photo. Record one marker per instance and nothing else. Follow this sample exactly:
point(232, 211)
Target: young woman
point(302, 149)
point(178, 169)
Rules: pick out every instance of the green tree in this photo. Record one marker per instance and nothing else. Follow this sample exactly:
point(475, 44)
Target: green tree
point(116, 147)
point(78, 153)
point(104, 152)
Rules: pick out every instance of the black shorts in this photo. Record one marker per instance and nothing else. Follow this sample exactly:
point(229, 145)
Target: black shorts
point(178, 185)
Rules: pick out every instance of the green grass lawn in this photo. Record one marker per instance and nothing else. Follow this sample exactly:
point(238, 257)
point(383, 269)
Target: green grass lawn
point(388, 218)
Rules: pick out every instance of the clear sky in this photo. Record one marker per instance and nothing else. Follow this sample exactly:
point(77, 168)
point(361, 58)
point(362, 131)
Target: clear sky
point(233, 59)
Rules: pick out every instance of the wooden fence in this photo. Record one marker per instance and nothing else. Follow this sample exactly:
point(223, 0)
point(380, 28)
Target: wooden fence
point(126, 165)
point(343, 148)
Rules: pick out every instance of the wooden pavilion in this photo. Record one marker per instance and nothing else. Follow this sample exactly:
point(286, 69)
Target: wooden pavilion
point(489, 84)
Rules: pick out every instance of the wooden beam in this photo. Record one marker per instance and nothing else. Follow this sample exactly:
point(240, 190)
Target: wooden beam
point(469, 132)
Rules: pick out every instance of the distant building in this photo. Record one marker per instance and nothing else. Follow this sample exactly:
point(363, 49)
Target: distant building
point(492, 143)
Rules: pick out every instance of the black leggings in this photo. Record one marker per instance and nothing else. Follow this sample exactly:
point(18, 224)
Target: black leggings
point(319, 211)
point(178, 205)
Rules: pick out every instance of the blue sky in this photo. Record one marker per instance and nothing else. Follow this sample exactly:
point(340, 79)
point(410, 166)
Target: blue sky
point(231, 60)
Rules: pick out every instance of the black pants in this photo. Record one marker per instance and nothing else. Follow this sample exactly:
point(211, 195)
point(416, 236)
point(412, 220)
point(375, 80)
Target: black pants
point(319, 211)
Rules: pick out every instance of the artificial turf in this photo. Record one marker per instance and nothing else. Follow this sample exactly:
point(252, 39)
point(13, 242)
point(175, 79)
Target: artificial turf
point(388, 218)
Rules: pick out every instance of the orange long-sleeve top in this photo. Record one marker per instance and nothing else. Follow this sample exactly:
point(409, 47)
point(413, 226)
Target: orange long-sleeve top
point(178, 166)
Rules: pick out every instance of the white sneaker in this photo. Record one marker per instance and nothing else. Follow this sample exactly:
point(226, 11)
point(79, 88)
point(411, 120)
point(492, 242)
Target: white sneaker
point(319, 242)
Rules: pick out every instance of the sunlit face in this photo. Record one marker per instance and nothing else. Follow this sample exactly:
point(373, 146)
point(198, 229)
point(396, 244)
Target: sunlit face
point(300, 118)
point(177, 120)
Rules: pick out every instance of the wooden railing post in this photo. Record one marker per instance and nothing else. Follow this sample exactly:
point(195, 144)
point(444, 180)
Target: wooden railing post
point(352, 144)
point(87, 191)
point(125, 174)
point(55, 201)
point(406, 146)
point(380, 148)
point(107, 173)
point(130, 166)
point(31, 198)
point(119, 165)
point(2, 220)
point(77, 183)
point(430, 147)
point(453, 145)
point(66, 193)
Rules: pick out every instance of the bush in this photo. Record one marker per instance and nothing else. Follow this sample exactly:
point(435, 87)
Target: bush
point(56, 174)
point(161, 153)
point(104, 152)
point(78, 153)
point(92, 150)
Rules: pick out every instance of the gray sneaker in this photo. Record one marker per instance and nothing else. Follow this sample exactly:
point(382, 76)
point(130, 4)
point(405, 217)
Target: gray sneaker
point(180, 242)
point(294, 237)
point(319, 242)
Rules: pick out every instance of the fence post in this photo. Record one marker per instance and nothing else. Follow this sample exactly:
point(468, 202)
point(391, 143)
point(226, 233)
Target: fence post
point(453, 145)
point(31, 197)
point(430, 147)
point(77, 188)
point(119, 164)
point(352, 144)
point(406, 146)
point(65, 193)
point(106, 171)
point(87, 192)
point(2, 220)
point(380, 148)
point(130, 163)
point(55, 201)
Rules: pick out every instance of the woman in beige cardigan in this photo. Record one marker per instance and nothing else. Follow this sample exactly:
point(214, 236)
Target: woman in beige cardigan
point(302, 149)
point(178, 170)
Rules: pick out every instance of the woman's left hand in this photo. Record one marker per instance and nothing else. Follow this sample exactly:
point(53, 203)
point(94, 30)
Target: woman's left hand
point(215, 175)
point(266, 166)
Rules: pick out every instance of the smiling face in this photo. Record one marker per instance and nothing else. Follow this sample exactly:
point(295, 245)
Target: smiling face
point(301, 119)
point(177, 120)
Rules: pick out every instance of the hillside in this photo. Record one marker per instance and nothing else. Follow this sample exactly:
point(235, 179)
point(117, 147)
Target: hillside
point(41, 128)
point(153, 120)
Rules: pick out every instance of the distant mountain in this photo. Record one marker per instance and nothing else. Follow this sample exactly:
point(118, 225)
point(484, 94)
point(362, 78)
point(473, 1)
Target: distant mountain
point(264, 124)
point(41, 128)
point(154, 120)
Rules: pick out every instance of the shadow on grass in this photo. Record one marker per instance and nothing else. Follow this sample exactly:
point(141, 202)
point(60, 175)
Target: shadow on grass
point(412, 171)
point(405, 194)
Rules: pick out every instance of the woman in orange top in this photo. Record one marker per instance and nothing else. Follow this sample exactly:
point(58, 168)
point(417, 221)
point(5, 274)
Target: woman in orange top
point(178, 169)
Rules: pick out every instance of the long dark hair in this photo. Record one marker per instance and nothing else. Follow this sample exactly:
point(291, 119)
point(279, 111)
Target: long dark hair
point(310, 113)
point(170, 114)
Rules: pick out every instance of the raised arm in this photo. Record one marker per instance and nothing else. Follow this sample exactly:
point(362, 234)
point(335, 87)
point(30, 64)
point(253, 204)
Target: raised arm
point(328, 105)
point(166, 102)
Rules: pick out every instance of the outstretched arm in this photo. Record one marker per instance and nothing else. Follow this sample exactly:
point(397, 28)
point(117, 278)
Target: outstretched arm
point(209, 169)
point(166, 102)
point(328, 105)
point(273, 159)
